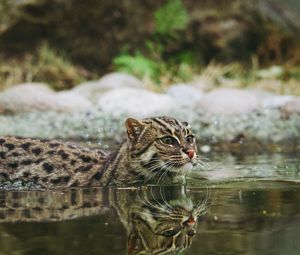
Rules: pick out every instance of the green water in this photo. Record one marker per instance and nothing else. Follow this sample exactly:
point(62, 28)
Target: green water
point(249, 205)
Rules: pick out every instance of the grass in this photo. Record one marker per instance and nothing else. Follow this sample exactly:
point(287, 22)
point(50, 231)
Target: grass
point(45, 65)
point(157, 76)
point(283, 79)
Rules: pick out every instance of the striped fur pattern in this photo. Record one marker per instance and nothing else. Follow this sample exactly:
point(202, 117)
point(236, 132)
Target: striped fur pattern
point(163, 229)
point(156, 149)
point(156, 224)
point(157, 220)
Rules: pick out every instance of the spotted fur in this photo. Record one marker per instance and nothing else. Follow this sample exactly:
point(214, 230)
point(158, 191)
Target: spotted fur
point(156, 149)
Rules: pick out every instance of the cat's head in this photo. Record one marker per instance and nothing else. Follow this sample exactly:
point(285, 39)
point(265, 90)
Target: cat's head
point(161, 146)
point(163, 228)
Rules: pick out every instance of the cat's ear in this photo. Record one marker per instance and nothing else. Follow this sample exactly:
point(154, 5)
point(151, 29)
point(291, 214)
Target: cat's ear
point(134, 128)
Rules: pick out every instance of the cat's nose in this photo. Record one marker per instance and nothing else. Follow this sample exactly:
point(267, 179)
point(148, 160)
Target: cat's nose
point(189, 152)
point(191, 221)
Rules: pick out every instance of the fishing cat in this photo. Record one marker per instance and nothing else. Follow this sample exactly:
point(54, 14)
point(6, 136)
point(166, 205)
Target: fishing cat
point(156, 149)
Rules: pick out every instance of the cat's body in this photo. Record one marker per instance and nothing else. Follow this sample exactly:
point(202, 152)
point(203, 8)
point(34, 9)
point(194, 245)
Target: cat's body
point(156, 148)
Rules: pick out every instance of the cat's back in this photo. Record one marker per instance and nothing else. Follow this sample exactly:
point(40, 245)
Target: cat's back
point(49, 163)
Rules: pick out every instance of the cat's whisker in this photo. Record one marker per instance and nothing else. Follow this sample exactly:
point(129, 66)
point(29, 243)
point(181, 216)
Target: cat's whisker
point(152, 205)
point(163, 195)
point(162, 205)
point(202, 158)
point(149, 173)
point(166, 169)
point(202, 206)
point(202, 164)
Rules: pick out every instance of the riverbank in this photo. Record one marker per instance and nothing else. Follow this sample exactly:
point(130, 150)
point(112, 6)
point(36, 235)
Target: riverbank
point(96, 110)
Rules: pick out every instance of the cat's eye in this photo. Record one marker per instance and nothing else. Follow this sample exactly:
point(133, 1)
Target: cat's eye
point(170, 232)
point(190, 139)
point(169, 140)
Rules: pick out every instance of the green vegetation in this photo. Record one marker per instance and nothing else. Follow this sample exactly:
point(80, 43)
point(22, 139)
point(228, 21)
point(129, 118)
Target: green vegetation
point(276, 79)
point(176, 41)
point(157, 66)
point(171, 17)
point(153, 63)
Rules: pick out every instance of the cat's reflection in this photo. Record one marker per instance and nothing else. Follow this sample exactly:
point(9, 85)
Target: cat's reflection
point(161, 220)
point(158, 220)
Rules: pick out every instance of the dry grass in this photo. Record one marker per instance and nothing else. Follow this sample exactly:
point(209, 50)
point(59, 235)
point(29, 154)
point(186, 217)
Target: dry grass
point(277, 79)
point(49, 67)
point(45, 66)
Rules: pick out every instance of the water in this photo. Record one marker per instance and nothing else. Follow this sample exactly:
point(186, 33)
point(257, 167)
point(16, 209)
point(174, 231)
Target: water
point(247, 205)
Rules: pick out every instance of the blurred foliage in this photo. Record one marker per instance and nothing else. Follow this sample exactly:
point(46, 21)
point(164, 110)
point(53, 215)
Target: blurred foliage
point(6, 13)
point(166, 41)
point(171, 17)
point(138, 65)
point(283, 79)
point(162, 61)
point(153, 63)
point(46, 65)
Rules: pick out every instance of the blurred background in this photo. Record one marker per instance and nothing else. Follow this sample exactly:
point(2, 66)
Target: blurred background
point(65, 42)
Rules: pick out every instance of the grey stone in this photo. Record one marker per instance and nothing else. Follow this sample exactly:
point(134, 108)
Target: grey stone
point(185, 95)
point(93, 90)
point(270, 100)
point(227, 101)
point(73, 101)
point(135, 102)
point(291, 107)
point(27, 97)
point(30, 97)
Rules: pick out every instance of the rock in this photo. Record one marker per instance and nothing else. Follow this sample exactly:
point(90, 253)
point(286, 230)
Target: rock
point(135, 102)
point(291, 107)
point(27, 97)
point(276, 101)
point(93, 90)
point(229, 102)
point(30, 97)
point(185, 95)
point(73, 101)
point(270, 100)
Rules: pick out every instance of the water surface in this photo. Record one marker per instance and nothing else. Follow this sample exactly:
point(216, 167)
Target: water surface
point(248, 205)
